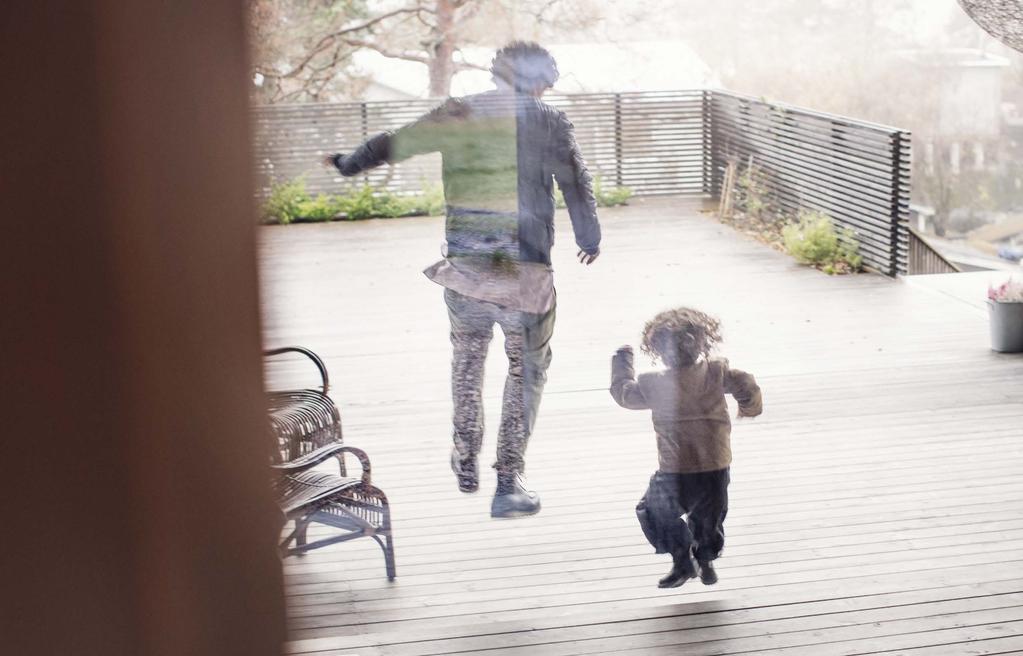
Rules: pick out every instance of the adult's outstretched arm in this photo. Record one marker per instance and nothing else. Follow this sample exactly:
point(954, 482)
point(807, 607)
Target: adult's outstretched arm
point(424, 135)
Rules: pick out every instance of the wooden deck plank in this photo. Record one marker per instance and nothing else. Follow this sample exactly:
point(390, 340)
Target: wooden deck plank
point(595, 634)
point(483, 565)
point(841, 633)
point(589, 594)
point(640, 585)
point(883, 475)
point(646, 620)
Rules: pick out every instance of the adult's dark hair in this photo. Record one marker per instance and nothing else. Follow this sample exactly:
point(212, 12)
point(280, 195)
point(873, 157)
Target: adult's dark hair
point(525, 65)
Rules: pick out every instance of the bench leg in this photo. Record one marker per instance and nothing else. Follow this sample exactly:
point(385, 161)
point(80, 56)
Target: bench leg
point(389, 558)
point(301, 526)
point(387, 545)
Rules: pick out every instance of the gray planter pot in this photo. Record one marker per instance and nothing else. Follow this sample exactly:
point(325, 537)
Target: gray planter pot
point(1006, 327)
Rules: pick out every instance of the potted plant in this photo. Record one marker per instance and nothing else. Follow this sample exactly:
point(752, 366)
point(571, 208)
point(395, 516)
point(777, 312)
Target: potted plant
point(1006, 303)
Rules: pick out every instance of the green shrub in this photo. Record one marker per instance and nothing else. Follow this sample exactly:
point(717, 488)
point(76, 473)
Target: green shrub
point(431, 202)
point(612, 196)
point(361, 204)
point(609, 197)
point(364, 203)
point(751, 194)
point(284, 204)
point(289, 201)
point(813, 240)
point(321, 208)
point(392, 206)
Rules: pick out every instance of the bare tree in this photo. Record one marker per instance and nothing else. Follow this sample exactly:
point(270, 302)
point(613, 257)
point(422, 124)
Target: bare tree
point(304, 47)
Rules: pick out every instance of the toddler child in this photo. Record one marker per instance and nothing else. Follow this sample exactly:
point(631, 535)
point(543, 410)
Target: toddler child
point(683, 510)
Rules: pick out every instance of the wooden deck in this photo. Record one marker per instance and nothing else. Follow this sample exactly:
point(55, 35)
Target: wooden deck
point(876, 506)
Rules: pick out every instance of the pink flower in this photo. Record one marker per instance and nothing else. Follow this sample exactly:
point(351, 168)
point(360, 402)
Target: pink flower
point(1010, 291)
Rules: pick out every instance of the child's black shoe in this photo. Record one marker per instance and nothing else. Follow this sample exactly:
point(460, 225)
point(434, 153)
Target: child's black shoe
point(707, 574)
point(681, 572)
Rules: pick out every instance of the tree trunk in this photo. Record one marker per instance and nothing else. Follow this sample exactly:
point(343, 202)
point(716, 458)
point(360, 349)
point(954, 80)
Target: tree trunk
point(442, 66)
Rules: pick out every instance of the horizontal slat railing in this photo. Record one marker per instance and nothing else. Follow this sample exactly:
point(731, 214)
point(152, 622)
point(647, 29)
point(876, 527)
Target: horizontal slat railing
point(649, 142)
point(291, 140)
point(925, 259)
point(856, 172)
point(672, 142)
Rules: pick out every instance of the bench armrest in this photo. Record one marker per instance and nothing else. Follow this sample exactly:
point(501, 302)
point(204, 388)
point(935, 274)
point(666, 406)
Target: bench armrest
point(309, 354)
point(323, 454)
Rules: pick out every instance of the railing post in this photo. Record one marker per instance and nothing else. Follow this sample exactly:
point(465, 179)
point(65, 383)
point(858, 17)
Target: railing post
point(893, 264)
point(619, 178)
point(711, 185)
point(901, 152)
point(364, 124)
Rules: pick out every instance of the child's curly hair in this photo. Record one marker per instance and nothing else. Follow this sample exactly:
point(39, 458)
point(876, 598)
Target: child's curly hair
point(680, 336)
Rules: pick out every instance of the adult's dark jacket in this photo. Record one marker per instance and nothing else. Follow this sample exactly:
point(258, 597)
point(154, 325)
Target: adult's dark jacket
point(502, 153)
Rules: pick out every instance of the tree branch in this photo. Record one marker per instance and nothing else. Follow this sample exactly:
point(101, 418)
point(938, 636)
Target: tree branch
point(407, 56)
point(470, 12)
point(329, 39)
point(540, 18)
point(464, 65)
point(467, 66)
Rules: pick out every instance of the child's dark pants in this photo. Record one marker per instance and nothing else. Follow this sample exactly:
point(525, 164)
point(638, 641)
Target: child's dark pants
point(701, 497)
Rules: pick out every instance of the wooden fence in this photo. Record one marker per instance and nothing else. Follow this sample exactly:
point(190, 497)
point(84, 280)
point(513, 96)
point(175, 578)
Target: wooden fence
point(649, 142)
point(925, 259)
point(857, 173)
point(673, 142)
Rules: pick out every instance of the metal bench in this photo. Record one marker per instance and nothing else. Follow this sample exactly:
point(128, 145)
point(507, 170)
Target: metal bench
point(307, 428)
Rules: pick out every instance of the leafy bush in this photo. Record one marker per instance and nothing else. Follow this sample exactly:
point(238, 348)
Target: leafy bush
point(612, 196)
point(609, 197)
point(321, 208)
point(813, 240)
point(431, 202)
point(361, 204)
point(284, 204)
point(289, 202)
point(751, 195)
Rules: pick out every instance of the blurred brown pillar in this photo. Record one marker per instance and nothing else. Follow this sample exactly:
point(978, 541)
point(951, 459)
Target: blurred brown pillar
point(136, 514)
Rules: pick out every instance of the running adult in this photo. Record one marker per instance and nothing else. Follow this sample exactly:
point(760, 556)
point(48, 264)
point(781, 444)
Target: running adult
point(502, 153)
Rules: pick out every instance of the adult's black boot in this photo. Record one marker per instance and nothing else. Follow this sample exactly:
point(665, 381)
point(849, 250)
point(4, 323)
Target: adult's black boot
point(467, 471)
point(513, 498)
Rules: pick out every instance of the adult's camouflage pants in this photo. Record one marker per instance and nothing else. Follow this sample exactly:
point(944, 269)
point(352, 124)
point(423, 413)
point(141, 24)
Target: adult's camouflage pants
point(527, 345)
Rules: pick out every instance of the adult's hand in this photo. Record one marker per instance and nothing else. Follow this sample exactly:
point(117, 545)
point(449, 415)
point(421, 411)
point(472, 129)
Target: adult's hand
point(331, 161)
point(587, 258)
